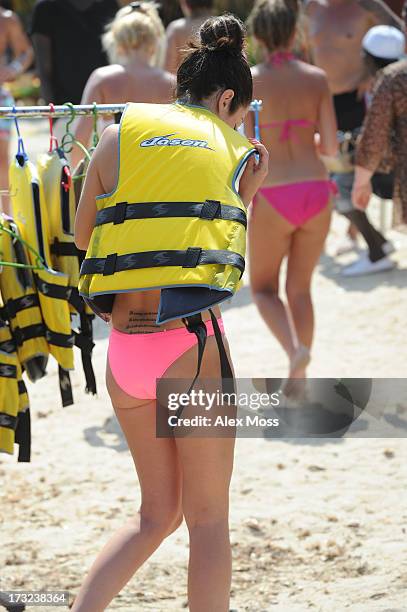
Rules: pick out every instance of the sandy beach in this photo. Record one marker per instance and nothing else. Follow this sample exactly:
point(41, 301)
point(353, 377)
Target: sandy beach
point(316, 524)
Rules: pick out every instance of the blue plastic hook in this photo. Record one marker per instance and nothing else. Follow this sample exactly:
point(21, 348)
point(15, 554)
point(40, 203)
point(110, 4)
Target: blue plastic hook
point(21, 149)
point(256, 106)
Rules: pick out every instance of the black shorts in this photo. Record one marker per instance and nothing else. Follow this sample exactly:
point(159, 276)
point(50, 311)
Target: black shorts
point(350, 112)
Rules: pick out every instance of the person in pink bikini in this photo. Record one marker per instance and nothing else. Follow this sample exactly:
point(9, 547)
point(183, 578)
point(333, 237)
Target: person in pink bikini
point(291, 213)
point(179, 476)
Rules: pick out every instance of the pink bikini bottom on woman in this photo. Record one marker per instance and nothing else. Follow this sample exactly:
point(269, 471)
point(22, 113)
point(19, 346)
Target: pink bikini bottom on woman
point(137, 360)
point(299, 202)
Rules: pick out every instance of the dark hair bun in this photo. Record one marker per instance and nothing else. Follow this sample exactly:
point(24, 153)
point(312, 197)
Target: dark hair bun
point(225, 33)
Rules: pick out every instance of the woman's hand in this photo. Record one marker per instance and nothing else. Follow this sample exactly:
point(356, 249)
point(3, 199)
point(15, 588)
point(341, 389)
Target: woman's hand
point(254, 173)
point(361, 195)
point(362, 188)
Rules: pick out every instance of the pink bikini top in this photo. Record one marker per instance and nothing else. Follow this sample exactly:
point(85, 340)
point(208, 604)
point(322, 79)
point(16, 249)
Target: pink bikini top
point(278, 59)
point(287, 127)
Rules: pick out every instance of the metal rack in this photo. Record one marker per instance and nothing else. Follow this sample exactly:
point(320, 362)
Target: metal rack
point(65, 110)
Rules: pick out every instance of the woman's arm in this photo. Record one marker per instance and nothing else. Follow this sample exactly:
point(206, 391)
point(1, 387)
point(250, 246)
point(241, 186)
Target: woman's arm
point(327, 125)
point(362, 187)
point(101, 177)
point(21, 47)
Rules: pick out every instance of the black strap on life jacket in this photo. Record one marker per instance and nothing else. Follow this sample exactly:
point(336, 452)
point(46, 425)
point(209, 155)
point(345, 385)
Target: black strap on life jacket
point(63, 249)
point(84, 341)
point(208, 210)
point(65, 387)
point(13, 306)
point(23, 436)
point(197, 326)
point(8, 421)
point(189, 258)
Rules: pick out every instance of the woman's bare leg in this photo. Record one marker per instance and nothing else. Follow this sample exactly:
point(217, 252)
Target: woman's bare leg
point(206, 472)
point(306, 248)
point(176, 476)
point(160, 513)
point(269, 241)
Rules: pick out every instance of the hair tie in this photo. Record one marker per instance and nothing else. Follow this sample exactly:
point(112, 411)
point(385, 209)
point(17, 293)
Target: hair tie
point(223, 49)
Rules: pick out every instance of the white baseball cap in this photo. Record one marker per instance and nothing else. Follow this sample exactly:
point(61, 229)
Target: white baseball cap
point(385, 42)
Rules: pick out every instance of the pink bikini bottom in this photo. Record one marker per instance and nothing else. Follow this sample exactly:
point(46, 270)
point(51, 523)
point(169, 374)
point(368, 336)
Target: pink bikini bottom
point(299, 202)
point(137, 360)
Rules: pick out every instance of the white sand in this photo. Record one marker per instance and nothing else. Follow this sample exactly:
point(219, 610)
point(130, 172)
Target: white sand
point(316, 524)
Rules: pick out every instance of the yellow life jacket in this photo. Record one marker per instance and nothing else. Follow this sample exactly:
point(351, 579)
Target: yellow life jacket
point(175, 219)
point(15, 419)
point(9, 400)
point(30, 214)
point(21, 306)
point(28, 204)
point(59, 197)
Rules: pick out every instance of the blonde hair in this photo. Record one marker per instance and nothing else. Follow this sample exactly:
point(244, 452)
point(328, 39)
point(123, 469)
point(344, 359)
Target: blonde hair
point(137, 26)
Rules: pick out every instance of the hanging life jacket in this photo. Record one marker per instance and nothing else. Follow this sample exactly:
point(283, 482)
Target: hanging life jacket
point(21, 306)
point(30, 214)
point(59, 197)
point(175, 220)
point(15, 422)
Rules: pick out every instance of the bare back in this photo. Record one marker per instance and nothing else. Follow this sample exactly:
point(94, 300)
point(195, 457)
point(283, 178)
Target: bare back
point(118, 84)
point(296, 104)
point(179, 32)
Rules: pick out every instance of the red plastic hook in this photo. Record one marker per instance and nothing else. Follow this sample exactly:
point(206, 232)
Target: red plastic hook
point(53, 143)
point(67, 180)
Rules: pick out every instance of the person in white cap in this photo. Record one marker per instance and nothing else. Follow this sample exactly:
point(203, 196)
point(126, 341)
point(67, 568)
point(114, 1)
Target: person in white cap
point(382, 45)
point(385, 128)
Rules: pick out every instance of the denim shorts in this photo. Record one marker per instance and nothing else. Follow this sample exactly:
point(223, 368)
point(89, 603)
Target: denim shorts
point(344, 182)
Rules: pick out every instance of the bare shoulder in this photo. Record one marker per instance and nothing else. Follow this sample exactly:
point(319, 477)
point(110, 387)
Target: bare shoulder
point(312, 6)
point(114, 73)
point(169, 78)
point(176, 28)
point(109, 70)
point(256, 71)
point(317, 75)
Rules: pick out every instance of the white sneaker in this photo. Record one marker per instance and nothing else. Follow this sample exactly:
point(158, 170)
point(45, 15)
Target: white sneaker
point(365, 266)
point(388, 247)
point(346, 245)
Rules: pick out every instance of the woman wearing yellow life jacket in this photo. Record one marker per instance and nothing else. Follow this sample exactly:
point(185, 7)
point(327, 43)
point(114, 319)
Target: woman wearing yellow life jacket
point(165, 243)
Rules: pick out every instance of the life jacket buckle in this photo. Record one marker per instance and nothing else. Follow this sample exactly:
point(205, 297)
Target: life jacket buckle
point(110, 264)
point(120, 211)
point(210, 209)
point(192, 257)
point(10, 310)
point(18, 336)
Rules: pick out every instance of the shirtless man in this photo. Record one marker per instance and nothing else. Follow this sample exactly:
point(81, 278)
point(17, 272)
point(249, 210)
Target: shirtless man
point(181, 30)
point(12, 38)
point(335, 29)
